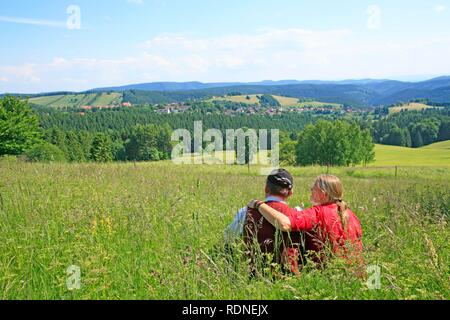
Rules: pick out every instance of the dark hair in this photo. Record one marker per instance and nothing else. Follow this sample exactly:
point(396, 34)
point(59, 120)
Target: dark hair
point(277, 190)
point(280, 182)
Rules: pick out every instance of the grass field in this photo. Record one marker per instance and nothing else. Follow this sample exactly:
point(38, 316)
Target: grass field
point(78, 100)
point(433, 155)
point(154, 231)
point(413, 106)
point(284, 101)
point(444, 145)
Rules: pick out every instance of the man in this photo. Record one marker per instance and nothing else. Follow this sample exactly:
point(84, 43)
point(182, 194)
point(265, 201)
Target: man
point(260, 235)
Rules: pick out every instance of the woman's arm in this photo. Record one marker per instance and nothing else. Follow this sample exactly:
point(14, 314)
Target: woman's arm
point(276, 218)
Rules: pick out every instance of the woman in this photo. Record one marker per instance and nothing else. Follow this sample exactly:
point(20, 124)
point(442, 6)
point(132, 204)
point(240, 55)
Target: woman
point(329, 224)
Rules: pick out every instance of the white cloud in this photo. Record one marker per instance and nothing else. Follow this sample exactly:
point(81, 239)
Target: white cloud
point(440, 8)
point(269, 54)
point(136, 1)
point(36, 22)
point(374, 17)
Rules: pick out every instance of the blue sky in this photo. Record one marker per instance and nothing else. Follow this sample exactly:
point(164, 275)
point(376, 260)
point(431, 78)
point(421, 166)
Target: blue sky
point(130, 41)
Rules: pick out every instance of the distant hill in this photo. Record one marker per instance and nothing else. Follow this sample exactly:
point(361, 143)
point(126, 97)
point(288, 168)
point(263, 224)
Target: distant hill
point(364, 92)
point(187, 86)
point(355, 93)
point(195, 85)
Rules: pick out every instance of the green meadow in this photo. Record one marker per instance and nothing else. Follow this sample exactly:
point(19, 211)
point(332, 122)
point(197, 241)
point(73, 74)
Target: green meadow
point(78, 100)
point(437, 154)
point(412, 106)
point(284, 101)
point(155, 231)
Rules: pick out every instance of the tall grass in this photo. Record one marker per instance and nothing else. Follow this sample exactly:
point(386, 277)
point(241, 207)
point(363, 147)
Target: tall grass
point(155, 231)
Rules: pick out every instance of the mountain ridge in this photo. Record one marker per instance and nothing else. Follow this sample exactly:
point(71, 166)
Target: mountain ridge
point(356, 92)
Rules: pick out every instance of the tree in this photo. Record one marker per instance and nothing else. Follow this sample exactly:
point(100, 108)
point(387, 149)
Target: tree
point(416, 137)
point(85, 139)
point(45, 152)
point(368, 148)
point(407, 136)
point(149, 143)
point(57, 137)
point(288, 145)
point(444, 131)
point(101, 150)
point(74, 149)
point(396, 137)
point(267, 100)
point(335, 143)
point(19, 126)
point(429, 129)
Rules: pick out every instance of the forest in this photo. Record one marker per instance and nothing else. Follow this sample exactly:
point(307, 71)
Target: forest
point(141, 134)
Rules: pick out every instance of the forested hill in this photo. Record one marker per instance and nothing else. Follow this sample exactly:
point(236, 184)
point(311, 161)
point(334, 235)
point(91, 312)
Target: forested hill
point(364, 93)
point(354, 93)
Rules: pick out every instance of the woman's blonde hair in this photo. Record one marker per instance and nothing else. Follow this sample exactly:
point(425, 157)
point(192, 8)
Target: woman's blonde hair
point(334, 189)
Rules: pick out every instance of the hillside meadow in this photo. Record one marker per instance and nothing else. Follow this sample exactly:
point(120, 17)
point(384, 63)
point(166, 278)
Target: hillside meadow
point(437, 154)
point(282, 100)
point(155, 231)
point(413, 106)
point(78, 100)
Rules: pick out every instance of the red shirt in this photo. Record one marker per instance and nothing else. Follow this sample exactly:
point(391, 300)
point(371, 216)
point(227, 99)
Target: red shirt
point(322, 225)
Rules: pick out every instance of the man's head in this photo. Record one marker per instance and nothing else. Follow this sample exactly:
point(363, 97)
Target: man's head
point(280, 183)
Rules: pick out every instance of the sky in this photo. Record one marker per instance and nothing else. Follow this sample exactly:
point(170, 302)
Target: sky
point(76, 45)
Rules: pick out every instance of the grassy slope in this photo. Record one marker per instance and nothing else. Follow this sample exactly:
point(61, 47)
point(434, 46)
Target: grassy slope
point(151, 231)
point(439, 145)
point(284, 101)
point(434, 155)
point(410, 107)
point(106, 99)
point(79, 100)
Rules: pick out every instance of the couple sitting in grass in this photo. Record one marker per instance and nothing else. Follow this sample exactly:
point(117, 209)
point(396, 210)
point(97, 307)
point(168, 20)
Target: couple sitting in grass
point(290, 237)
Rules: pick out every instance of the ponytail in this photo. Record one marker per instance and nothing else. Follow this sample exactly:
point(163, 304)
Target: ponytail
point(343, 213)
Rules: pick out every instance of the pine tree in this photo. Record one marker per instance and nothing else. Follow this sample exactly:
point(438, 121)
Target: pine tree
point(444, 131)
point(19, 126)
point(101, 148)
point(416, 137)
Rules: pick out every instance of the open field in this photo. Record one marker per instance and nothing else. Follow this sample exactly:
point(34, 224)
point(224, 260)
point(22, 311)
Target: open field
point(154, 231)
point(284, 101)
point(413, 106)
point(433, 155)
point(445, 145)
point(240, 99)
point(78, 100)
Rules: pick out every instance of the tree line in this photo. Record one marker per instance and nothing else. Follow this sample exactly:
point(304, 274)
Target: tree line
point(326, 143)
point(413, 128)
point(141, 134)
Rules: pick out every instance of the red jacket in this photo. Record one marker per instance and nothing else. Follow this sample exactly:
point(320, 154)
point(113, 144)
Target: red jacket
point(323, 226)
